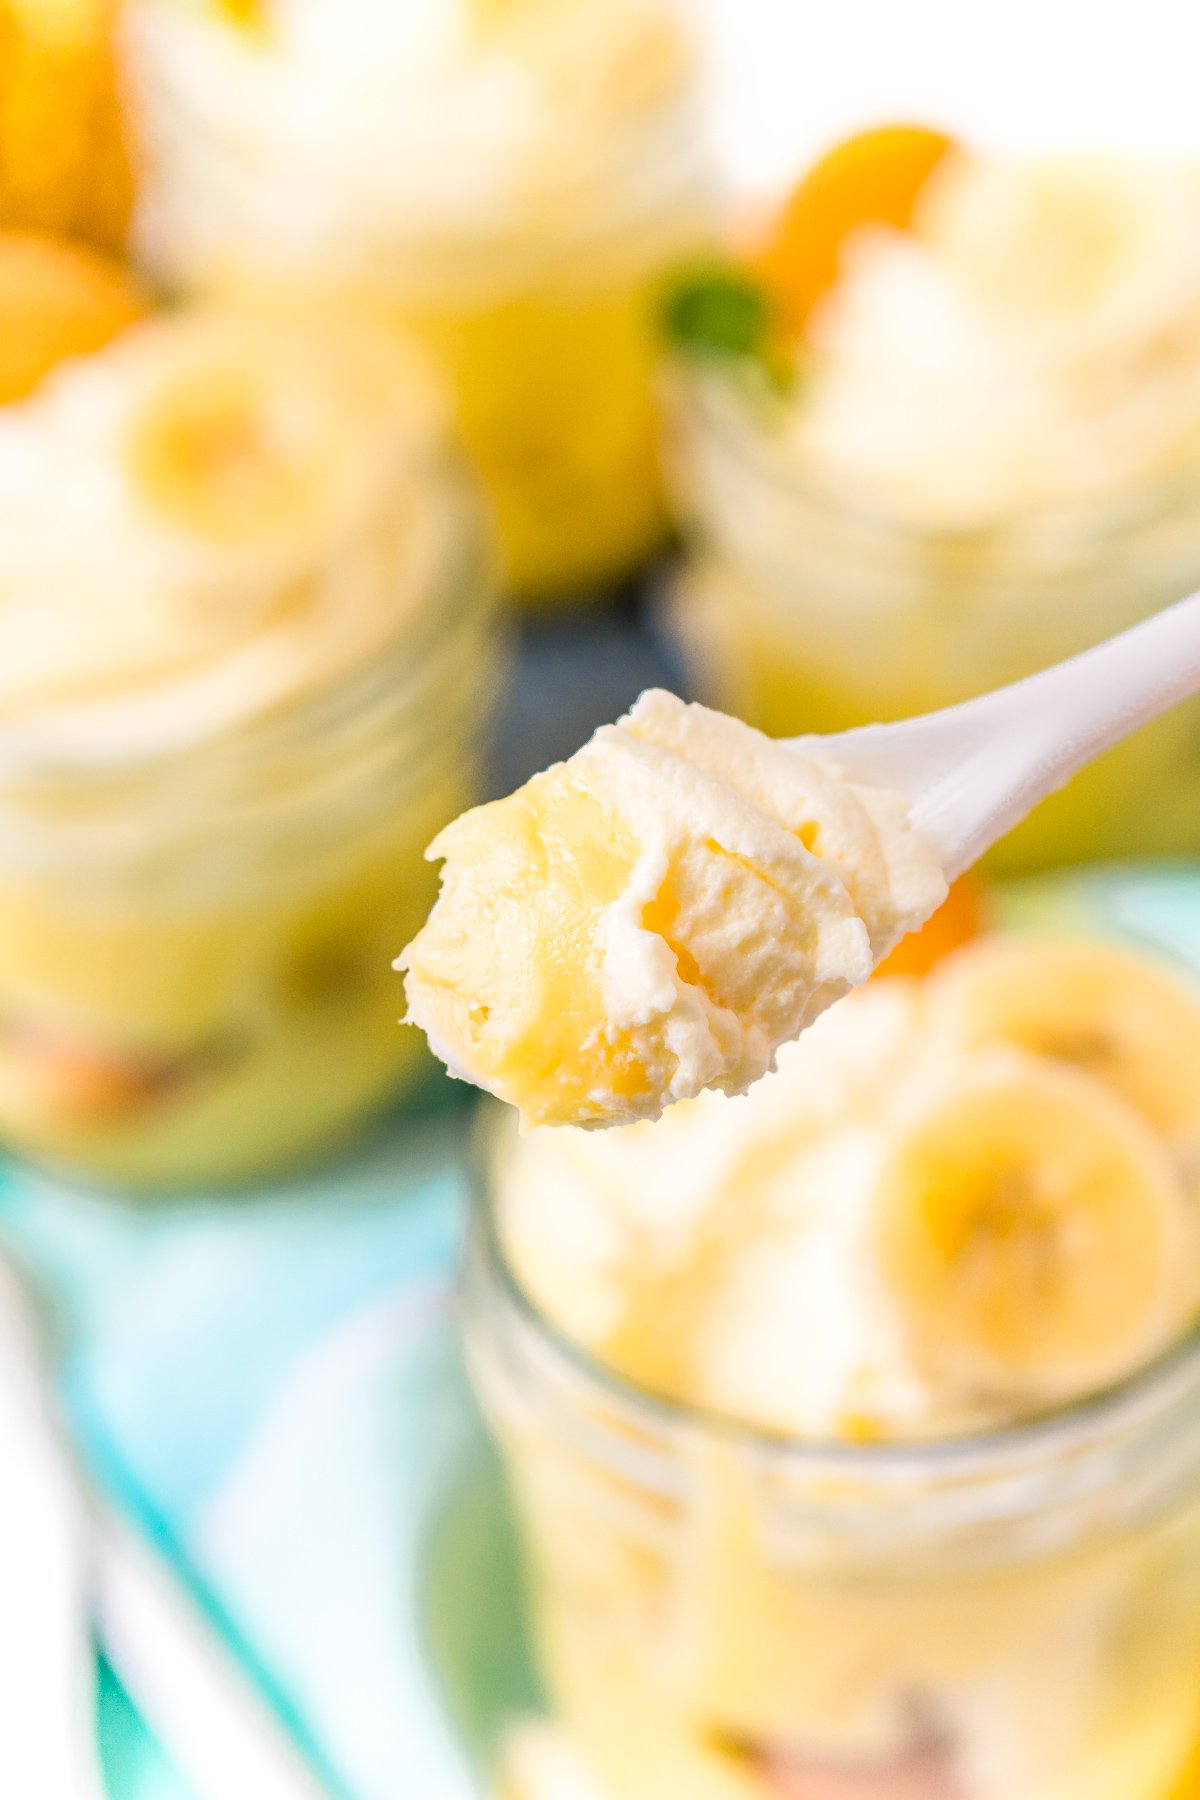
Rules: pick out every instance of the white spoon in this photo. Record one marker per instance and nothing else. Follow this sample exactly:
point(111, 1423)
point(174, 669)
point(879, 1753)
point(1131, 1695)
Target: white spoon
point(972, 772)
point(68, 1564)
point(47, 1669)
point(968, 774)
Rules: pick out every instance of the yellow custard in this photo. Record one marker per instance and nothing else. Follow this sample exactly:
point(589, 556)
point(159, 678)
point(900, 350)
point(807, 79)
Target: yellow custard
point(657, 915)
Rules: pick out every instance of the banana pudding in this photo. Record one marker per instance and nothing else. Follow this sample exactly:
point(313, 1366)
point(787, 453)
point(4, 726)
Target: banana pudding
point(854, 1423)
point(948, 407)
point(657, 915)
point(509, 178)
point(246, 653)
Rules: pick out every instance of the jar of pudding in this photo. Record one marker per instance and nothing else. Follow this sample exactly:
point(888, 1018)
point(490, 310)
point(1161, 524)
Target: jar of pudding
point(977, 452)
point(247, 657)
point(848, 1466)
point(510, 181)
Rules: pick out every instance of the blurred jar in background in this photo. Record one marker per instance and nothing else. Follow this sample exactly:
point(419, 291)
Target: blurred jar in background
point(957, 438)
point(510, 178)
point(246, 658)
point(63, 165)
point(854, 1424)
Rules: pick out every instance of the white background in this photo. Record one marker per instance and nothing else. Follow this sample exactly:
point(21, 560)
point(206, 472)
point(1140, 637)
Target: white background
point(791, 75)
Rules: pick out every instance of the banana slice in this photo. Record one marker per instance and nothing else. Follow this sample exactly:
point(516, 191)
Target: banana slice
point(217, 457)
point(245, 429)
point(1033, 1233)
point(1096, 1006)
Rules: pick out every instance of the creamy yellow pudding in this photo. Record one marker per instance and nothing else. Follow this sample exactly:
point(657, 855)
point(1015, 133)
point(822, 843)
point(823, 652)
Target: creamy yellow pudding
point(657, 915)
point(245, 656)
point(511, 180)
point(965, 444)
point(853, 1422)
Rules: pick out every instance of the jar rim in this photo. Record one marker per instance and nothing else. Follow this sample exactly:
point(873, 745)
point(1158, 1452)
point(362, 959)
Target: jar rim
point(717, 404)
point(1171, 1381)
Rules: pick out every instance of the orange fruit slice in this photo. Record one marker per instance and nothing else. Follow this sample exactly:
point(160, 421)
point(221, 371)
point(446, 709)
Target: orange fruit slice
point(874, 178)
point(64, 165)
point(57, 300)
point(957, 920)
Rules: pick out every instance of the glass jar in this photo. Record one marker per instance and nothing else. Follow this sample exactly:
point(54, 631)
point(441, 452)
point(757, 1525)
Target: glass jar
point(804, 610)
point(526, 251)
point(196, 937)
point(726, 1615)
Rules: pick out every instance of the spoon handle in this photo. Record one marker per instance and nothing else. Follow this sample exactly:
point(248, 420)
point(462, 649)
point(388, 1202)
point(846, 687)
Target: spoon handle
point(973, 771)
point(223, 1737)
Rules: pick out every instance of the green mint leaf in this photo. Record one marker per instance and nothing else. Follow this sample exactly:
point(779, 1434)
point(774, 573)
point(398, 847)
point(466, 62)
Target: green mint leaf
point(719, 311)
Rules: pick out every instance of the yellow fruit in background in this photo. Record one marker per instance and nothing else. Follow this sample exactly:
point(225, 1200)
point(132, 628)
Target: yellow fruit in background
point(1096, 1006)
point(873, 178)
point(63, 163)
point(575, 503)
point(57, 300)
point(1033, 1232)
point(1187, 1787)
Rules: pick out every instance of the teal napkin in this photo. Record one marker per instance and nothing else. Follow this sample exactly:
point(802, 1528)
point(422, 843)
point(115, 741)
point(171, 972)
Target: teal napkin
point(270, 1388)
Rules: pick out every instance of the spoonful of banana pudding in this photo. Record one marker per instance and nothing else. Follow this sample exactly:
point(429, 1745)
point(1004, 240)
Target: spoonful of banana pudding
point(659, 913)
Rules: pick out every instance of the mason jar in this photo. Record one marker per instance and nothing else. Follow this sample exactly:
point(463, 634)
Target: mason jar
point(806, 608)
point(219, 771)
point(725, 1614)
point(518, 211)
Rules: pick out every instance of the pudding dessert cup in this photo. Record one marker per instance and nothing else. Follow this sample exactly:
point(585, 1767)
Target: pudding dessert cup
point(509, 183)
point(252, 668)
point(940, 429)
point(725, 1617)
point(772, 1552)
